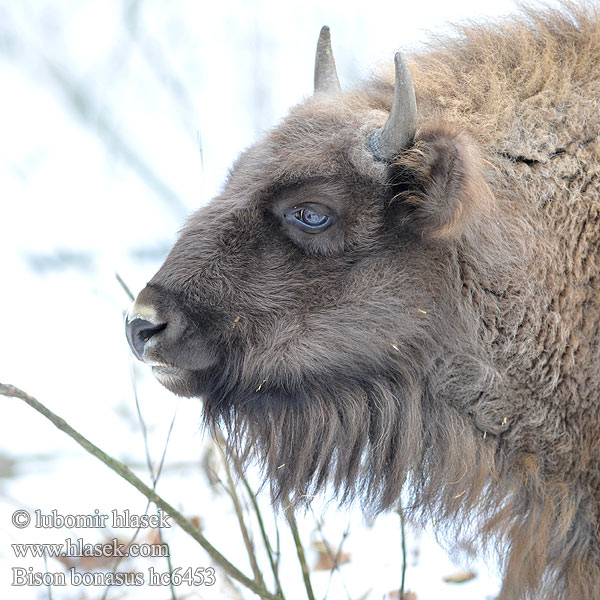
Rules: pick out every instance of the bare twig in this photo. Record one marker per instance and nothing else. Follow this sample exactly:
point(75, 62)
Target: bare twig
point(46, 569)
point(128, 475)
point(169, 563)
point(125, 287)
point(335, 558)
point(265, 537)
point(277, 542)
point(403, 540)
point(240, 517)
point(291, 519)
point(84, 107)
point(261, 525)
point(154, 475)
point(160, 67)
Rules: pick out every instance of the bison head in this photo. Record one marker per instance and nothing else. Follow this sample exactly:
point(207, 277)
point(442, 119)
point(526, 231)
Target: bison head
point(316, 305)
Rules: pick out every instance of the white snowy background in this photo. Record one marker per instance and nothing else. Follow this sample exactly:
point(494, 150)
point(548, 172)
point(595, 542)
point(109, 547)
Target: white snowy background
point(118, 118)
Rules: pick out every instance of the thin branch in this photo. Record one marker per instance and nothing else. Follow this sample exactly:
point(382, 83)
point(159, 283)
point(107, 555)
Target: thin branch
point(154, 475)
point(125, 287)
point(403, 539)
point(265, 537)
point(291, 519)
point(335, 558)
point(169, 562)
point(84, 107)
point(258, 513)
point(46, 570)
point(240, 517)
point(122, 470)
point(160, 67)
point(277, 543)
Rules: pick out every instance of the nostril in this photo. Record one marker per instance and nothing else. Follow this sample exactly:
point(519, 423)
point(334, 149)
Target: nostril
point(139, 331)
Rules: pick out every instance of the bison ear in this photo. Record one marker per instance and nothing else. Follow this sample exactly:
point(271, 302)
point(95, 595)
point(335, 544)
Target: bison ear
point(439, 185)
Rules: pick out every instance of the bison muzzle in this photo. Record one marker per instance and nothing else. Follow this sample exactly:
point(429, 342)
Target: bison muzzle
point(402, 289)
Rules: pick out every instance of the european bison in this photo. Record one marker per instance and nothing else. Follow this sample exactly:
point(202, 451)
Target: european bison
point(385, 295)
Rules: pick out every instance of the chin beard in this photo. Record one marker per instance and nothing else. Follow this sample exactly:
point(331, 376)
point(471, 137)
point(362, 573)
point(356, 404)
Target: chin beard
point(362, 439)
point(177, 380)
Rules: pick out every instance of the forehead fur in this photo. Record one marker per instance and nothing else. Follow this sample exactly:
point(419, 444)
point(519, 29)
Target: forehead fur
point(323, 136)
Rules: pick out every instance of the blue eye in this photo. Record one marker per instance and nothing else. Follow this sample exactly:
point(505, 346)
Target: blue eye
point(311, 220)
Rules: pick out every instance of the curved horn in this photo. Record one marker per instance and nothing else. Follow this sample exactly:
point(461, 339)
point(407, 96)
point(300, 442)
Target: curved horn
point(326, 79)
point(401, 126)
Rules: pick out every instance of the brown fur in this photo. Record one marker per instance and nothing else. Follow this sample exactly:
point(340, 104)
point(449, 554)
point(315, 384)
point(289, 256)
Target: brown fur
point(445, 333)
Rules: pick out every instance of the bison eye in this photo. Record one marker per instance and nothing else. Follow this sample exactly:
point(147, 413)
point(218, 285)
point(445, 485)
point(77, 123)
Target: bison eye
point(308, 219)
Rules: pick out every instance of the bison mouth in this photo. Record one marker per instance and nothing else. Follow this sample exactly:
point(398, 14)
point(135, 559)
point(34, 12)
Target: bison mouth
point(173, 378)
point(182, 381)
point(176, 349)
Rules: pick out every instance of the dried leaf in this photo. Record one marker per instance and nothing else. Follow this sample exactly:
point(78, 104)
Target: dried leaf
point(395, 595)
point(153, 537)
point(327, 561)
point(460, 577)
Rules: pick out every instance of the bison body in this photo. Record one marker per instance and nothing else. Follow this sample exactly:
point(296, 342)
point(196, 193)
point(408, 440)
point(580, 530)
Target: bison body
point(430, 318)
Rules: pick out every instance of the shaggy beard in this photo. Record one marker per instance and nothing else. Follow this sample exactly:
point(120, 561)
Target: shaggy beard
point(368, 438)
point(364, 437)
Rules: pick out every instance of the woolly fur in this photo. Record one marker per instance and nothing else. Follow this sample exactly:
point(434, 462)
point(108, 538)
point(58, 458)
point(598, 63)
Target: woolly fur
point(444, 334)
